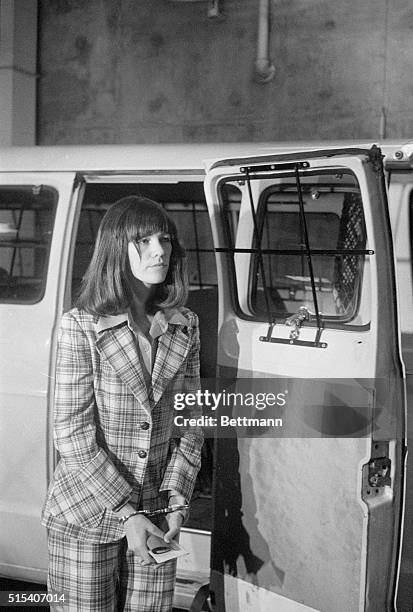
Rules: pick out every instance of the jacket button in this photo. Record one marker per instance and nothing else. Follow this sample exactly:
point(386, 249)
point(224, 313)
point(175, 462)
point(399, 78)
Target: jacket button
point(142, 454)
point(144, 425)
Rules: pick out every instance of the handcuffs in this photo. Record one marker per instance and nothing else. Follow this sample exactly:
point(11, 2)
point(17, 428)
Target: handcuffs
point(151, 513)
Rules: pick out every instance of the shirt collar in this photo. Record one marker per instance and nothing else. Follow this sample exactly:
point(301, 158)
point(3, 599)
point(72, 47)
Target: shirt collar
point(159, 325)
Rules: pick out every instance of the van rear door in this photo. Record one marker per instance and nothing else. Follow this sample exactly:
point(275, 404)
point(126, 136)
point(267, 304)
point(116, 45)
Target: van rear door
point(307, 512)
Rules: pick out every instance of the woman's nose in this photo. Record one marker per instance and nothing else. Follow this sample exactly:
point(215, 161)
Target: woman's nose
point(157, 248)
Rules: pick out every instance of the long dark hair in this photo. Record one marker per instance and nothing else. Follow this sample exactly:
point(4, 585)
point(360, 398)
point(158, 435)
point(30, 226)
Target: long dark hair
point(105, 286)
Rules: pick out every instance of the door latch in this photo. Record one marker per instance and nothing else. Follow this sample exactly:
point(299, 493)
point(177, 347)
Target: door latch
point(296, 320)
point(379, 472)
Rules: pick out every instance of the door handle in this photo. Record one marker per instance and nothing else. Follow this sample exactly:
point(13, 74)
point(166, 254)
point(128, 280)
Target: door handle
point(296, 320)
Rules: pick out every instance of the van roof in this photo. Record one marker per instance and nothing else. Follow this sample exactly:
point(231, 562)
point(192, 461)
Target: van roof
point(160, 157)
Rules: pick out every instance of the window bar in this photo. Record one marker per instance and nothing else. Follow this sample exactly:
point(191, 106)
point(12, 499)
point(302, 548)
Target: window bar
point(20, 254)
point(13, 257)
point(332, 252)
point(302, 237)
point(259, 253)
point(198, 258)
point(307, 248)
point(267, 227)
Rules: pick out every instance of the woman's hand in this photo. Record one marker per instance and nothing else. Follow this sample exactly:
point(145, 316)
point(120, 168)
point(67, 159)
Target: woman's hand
point(137, 530)
point(176, 519)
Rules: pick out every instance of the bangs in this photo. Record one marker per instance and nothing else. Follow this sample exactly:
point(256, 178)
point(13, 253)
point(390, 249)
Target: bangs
point(147, 219)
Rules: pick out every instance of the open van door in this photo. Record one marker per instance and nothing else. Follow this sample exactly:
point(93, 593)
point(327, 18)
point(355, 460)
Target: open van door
point(308, 517)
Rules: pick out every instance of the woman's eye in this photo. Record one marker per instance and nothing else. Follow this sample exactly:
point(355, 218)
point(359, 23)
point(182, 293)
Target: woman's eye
point(166, 238)
point(144, 241)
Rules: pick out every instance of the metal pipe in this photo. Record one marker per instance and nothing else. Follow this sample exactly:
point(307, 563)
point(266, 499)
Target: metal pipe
point(264, 69)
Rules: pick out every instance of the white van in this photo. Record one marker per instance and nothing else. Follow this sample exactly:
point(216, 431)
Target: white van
point(293, 274)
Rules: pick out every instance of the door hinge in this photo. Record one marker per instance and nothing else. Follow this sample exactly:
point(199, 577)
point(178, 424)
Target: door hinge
point(79, 179)
point(275, 167)
point(376, 157)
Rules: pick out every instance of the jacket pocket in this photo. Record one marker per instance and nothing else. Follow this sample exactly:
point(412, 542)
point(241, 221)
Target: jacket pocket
point(70, 500)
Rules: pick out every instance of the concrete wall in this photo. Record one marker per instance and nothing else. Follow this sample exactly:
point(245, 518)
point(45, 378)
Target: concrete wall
point(141, 71)
point(18, 60)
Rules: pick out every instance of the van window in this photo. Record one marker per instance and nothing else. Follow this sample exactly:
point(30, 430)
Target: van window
point(331, 224)
point(26, 224)
point(184, 202)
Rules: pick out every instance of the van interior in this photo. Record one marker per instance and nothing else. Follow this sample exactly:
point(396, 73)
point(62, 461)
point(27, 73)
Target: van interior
point(185, 202)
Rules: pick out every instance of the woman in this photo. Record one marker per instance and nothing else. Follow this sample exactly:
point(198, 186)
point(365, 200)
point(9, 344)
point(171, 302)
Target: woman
point(122, 353)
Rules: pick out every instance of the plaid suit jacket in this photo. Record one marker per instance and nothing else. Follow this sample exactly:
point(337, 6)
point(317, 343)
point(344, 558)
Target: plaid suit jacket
point(113, 432)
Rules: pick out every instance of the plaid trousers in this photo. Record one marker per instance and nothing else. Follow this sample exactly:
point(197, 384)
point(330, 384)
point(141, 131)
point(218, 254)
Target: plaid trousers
point(105, 577)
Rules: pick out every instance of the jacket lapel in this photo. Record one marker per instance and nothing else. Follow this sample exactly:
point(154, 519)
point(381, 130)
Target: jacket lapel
point(117, 345)
point(173, 347)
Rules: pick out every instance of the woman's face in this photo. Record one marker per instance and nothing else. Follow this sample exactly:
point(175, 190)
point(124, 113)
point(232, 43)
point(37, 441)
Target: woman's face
point(149, 258)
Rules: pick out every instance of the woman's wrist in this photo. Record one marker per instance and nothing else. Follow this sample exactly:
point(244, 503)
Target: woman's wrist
point(125, 511)
point(176, 498)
